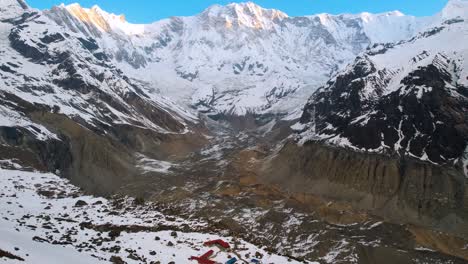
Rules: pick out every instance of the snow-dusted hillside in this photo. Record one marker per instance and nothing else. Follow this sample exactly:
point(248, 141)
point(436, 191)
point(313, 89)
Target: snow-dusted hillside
point(237, 58)
point(41, 212)
point(409, 98)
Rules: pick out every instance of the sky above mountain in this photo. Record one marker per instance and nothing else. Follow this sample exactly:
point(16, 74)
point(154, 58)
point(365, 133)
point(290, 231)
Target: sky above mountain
point(146, 11)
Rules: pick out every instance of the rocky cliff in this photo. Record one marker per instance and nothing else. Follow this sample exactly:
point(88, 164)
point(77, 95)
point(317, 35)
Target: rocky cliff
point(402, 190)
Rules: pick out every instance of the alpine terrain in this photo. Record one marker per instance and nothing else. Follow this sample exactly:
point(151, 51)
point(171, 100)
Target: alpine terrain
point(238, 135)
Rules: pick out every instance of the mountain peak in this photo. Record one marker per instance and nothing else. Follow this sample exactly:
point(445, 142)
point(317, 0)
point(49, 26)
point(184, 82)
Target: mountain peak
point(366, 16)
point(455, 8)
point(247, 14)
point(395, 13)
point(93, 10)
point(93, 15)
point(245, 5)
point(102, 20)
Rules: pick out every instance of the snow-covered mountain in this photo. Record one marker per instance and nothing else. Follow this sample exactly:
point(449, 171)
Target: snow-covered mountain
point(43, 64)
point(237, 58)
point(409, 98)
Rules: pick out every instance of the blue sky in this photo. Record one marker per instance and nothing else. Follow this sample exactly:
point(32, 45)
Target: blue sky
point(145, 11)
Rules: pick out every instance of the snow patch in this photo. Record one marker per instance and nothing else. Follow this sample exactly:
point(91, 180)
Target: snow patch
point(465, 162)
point(147, 165)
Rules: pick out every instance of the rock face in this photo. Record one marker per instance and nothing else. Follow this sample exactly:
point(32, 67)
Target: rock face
point(425, 117)
point(50, 155)
point(399, 189)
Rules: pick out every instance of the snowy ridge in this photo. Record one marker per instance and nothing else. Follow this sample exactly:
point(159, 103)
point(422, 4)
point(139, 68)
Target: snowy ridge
point(11, 118)
point(246, 14)
point(11, 8)
point(453, 9)
point(104, 21)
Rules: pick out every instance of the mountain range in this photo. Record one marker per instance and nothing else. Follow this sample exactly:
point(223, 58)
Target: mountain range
point(238, 58)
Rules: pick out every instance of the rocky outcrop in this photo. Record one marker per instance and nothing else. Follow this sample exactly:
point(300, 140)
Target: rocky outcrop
point(22, 146)
point(424, 118)
point(400, 189)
